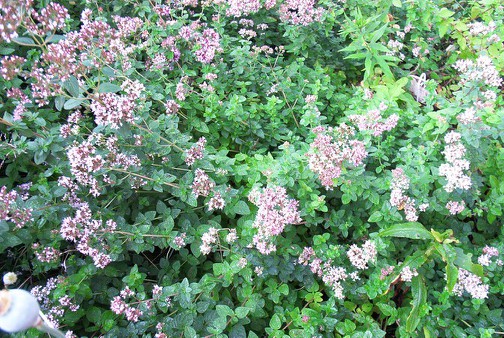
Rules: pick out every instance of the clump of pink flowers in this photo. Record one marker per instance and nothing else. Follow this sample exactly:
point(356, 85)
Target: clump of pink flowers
point(399, 185)
point(482, 70)
point(407, 273)
point(329, 151)
point(195, 152)
point(470, 283)
point(374, 122)
point(455, 207)
point(453, 171)
point(119, 306)
point(10, 210)
point(360, 257)
point(333, 276)
point(276, 211)
point(87, 234)
point(300, 12)
point(488, 253)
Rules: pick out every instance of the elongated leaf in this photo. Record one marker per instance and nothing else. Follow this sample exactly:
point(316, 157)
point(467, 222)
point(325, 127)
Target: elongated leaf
point(108, 87)
point(413, 230)
point(419, 292)
point(451, 276)
point(72, 86)
point(379, 33)
point(59, 101)
point(72, 103)
point(385, 67)
point(23, 40)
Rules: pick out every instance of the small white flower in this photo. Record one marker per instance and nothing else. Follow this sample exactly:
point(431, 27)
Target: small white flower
point(9, 278)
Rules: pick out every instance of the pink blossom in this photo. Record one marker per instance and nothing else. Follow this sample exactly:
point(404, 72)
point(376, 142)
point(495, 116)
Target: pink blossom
point(276, 210)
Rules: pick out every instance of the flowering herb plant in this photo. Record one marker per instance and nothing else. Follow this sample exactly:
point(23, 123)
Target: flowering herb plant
point(280, 168)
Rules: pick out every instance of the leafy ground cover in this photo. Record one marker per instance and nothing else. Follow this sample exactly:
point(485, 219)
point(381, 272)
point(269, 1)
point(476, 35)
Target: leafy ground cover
point(279, 168)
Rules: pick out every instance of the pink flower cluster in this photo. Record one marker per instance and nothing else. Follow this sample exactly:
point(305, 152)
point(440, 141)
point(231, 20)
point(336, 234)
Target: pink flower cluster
point(472, 284)
point(10, 18)
point(482, 70)
point(360, 257)
point(47, 254)
point(53, 310)
point(216, 202)
point(87, 233)
point(374, 122)
point(211, 237)
point(113, 110)
point(455, 207)
point(333, 276)
point(119, 306)
point(330, 149)
point(239, 8)
point(196, 152)
point(11, 211)
point(453, 171)
point(202, 184)
point(468, 117)
point(11, 66)
point(85, 162)
point(50, 19)
point(399, 185)
point(126, 26)
point(300, 12)
point(488, 253)
point(407, 273)
point(171, 107)
point(276, 210)
point(209, 42)
point(208, 239)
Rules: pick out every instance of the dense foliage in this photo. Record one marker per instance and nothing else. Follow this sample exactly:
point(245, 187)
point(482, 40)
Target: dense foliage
point(280, 168)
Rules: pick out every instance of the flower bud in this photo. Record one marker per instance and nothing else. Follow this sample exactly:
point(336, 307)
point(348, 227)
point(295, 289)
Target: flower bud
point(19, 310)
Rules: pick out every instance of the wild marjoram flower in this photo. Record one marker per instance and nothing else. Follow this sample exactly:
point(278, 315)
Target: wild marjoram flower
point(454, 169)
point(333, 276)
point(19, 311)
point(330, 149)
point(373, 121)
point(276, 210)
point(399, 185)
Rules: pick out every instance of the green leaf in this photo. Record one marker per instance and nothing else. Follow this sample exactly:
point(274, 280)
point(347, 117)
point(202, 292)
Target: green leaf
point(419, 292)
point(189, 332)
point(93, 314)
point(72, 86)
point(241, 312)
point(397, 3)
point(23, 40)
point(413, 230)
point(385, 67)
point(238, 331)
point(445, 13)
point(72, 103)
point(375, 217)
point(346, 198)
point(464, 261)
point(108, 87)
point(275, 322)
point(59, 102)
point(6, 51)
point(241, 208)
point(379, 33)
point(451, 276)
point(224, 310)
